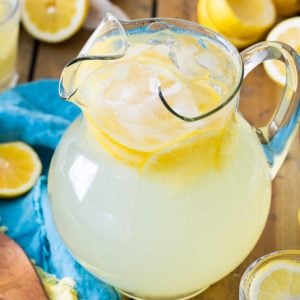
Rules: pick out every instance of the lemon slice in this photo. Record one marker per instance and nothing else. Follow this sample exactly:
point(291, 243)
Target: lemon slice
point(205, 20)
point(287, 32)
point(278, 280)
point(242, 18)
point(53, 21)
point(20, 167)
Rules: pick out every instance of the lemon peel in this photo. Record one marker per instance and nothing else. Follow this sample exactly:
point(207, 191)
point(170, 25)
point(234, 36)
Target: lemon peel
point(242, 19)
point(279, 279)
point(20, 167)
point(205, 20)
point(56, 289)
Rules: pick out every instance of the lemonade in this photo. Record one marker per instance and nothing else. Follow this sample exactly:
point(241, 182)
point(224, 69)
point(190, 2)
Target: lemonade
point(154, 205)
point(151, 237)
point(9, 30)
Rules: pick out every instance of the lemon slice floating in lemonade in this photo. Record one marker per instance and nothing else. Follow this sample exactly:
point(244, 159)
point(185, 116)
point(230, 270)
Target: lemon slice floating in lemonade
point(20, 167)
point(287, 32)
point(278, 280)
point(53, 21)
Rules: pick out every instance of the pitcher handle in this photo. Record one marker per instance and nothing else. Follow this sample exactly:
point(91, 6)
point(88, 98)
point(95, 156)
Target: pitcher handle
point(278, 133)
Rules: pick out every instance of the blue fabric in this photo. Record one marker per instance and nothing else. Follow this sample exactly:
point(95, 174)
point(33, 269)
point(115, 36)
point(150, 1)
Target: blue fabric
point(35, 114)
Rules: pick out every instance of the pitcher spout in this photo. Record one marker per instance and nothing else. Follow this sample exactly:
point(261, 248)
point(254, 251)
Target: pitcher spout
point(108, 42)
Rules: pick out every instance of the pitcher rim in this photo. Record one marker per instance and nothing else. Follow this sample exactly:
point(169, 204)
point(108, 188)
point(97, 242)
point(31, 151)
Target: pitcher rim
point(191, 26)
point(208, 32)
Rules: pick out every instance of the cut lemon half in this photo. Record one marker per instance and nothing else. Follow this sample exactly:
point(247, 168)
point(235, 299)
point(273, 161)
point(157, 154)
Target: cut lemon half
point(205, 20)
point(242, 18)
point(20, 167)
point(278, 280)
point(53, 20)
point(287, 32)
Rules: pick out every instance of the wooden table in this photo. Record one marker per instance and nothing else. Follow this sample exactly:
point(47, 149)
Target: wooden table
point(259, 97)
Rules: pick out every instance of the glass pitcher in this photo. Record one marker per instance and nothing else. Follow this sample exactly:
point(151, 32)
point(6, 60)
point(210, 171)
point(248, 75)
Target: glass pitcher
point(161, 187)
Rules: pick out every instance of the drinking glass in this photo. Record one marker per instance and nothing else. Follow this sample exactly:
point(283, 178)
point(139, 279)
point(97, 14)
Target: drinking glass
point(9, 31)
point(260, 263)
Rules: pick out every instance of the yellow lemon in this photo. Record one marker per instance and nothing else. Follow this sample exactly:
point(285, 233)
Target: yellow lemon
point(53, 20)
point(242, 18)
point(205, 20)
point(287, 7)
point(278, 280)
point(20, 167)
point(287, 32)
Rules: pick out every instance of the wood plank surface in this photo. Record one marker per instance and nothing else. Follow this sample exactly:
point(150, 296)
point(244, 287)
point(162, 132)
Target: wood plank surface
point(259, 97)
point(136, 9)
point(25, 55)
point(51, 58)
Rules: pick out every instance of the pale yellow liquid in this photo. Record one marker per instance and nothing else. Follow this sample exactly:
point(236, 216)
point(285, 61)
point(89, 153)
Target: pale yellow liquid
point(9, 29)
point(171, 226)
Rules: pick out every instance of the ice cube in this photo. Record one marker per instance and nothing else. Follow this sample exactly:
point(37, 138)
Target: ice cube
point(184, 53)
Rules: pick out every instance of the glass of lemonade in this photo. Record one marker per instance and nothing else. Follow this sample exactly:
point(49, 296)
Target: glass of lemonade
point(9, 31)
point(161, 187)
point(273, 276)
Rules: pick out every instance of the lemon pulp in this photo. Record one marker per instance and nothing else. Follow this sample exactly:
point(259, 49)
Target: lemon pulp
point(53, 21)
point(19, 168)
point(277, 280)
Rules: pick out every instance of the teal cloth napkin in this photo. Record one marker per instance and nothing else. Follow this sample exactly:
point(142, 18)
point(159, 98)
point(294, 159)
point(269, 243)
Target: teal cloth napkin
point(35, 114)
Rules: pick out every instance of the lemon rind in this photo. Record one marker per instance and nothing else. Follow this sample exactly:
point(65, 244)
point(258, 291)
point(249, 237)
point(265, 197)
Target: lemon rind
point(279, 29)
point(205, 19)
point(22, 189)
point(266, 272)
point(229, 22)
point(77, 21)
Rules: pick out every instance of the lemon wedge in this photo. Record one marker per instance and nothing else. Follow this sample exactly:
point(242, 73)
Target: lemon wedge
point(242, 18)
point(288, 32)
point(277, 280)
point(20, 167)
point(205, 19)
point(53, 21)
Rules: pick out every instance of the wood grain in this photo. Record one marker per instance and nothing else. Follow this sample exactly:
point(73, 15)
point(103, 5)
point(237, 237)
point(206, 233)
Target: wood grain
point(136, 9)
point(25, 55)
point(51, 58)
point(18, 279)
point(181, 9)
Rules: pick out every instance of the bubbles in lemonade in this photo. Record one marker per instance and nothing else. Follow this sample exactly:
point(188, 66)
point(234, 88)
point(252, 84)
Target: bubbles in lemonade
point(8, 41)
point(152, 204)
